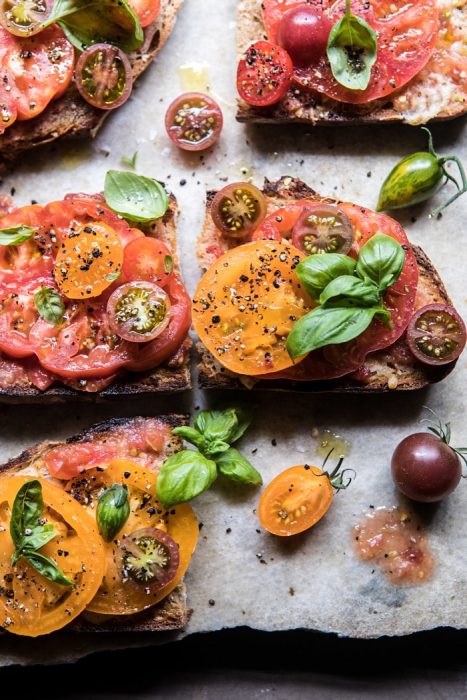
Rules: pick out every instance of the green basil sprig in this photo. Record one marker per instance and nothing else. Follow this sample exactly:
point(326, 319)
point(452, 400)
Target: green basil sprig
point(49, 304)
point(113, 510)
point(15, 235)
point(29, 534)
point(135, 197)
point(352, 50)
point(188, 473)
point(350, 294)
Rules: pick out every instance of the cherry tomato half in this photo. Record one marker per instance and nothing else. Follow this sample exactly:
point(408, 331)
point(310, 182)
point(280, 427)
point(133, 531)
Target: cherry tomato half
point(323, 228)
point(436, 334)
point(264, 74)
point(103, 76)
point(24, 17)
point(146, 10)
point(138, 311)
point(147, 259)
point(194, 121)
point(238, 209)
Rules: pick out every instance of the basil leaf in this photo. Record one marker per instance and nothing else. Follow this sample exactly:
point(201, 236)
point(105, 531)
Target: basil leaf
point(135, 197)
point(352, 50)
point(50, 305)
point(129, 162)
point(15, 235)
point(26, 511)
point(214, 447)
point(317, 271)
point(100, 21)
point(381, 261)
point(328, 326)
point(234, 465)
point(243, 422)
point(183, 476)
point(113, 510)
point(227, 425)
point(350, 291)
point(191, 435)
point(168, 264)
point(47, 567)
point(39, 537)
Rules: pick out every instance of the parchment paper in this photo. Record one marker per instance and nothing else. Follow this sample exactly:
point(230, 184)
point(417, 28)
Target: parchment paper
point(248, 574)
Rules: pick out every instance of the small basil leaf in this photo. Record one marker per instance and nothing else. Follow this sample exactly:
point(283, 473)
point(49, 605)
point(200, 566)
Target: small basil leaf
point(243, 422)
point(352, 50)
point(113, 276)
point(317, 271)
point(217, 425)
point(26, 511)
point(168, 264)
point(234, 465)
point(183, 476)
point(135, 197)
point(47, 567)
point(38, 537)
point(129, 162)
point(100, 21)
point(15, 235)
point(190, 435)
point(113, 510)
point(215, 446)
point(50, 305)
point(328, 326)
point(381, 261)
point(352, 291)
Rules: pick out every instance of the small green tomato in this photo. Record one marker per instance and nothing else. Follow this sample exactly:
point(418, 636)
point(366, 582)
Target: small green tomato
point(112, 512)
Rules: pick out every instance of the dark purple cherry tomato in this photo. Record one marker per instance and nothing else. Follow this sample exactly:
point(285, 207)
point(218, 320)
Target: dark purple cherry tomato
point(238, 209)
point(149, 558)
point(303, 33)
point(323, 228)
point(103, 76)
point(436, 335)
point(194, 121)
point(138, 311)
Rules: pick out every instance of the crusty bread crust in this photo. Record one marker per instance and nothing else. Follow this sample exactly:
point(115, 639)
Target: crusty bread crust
point(70, 116)
point(318, 109)
point(169, 614)
point(174, 375)
point(388, 370)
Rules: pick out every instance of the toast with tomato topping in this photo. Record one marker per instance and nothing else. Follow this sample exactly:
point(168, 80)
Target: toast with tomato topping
point(436, 89)
point(393, 367)
point(146, 441)
point(23, 382)
point(70, 116)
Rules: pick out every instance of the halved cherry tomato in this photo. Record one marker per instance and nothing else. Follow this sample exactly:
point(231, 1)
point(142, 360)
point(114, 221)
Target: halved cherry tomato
point(147, 259)
point(407, 32)
point(246, 305)
point(103, 76)
point(280, 223)
point(24, 17)
point(323, 228)
point(139, 311)
point(31, 604)
point(436, 335)
point(194, 121)
point(238, 209)
point(146, 10)
point(295, 500)
point(89, 259)
point(264, 74)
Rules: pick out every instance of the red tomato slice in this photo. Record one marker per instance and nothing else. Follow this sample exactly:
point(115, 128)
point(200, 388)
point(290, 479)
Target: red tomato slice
point(8, 108)
point(264, 74)
point(41, 68)
point(336, 361)
point(407, 32)
point(146, 10)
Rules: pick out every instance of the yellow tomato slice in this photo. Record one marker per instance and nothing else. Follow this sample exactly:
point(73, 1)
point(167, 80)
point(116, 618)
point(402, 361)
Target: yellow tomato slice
point(31, 604)
point(246, 304)
point(295, 500)
point(89, 259)
point(118, 596)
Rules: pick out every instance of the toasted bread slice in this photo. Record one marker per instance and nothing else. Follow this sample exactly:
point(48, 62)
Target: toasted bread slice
point(431, 95)
point(71, 116)
point(386, 370)
point(169, 614)
point(173, 375)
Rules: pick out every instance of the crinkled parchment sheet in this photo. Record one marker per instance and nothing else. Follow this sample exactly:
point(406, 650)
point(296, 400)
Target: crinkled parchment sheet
point(333, 591)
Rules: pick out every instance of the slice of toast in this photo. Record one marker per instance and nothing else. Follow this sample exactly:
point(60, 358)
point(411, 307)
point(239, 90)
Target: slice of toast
point(173, 375)
point(429, 96)
point(386, 370)
point(169, 614)
point(70, 116)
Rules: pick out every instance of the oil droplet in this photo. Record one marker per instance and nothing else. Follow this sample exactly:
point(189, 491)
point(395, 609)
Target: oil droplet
point(194, 77)
point(75, 157)
point(328, 440)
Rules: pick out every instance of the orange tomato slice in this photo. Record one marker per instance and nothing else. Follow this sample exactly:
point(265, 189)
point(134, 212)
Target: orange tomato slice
point(89, 260)
point(122, 597)
point(295, 500)
point(31, 604)
point(246, 304)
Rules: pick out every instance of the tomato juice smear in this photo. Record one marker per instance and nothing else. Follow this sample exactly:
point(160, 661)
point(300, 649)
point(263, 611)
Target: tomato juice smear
point(393, 539)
